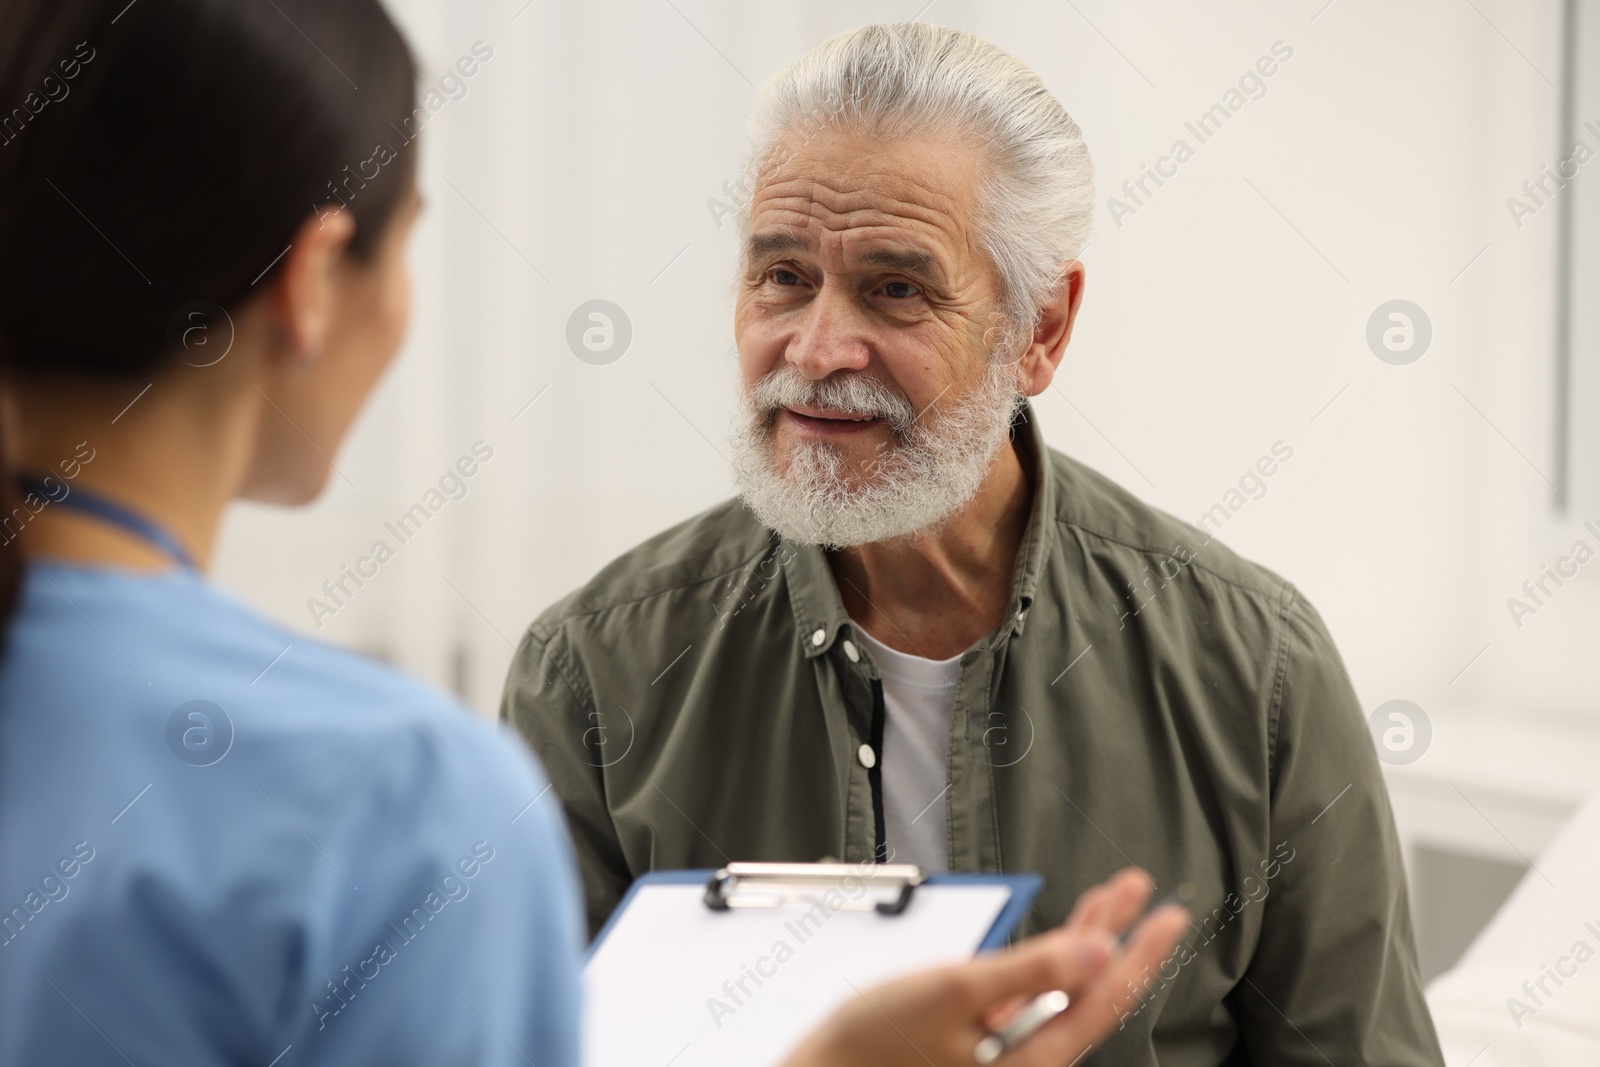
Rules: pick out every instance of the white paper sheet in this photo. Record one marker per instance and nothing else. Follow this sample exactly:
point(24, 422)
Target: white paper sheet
point(677, 983)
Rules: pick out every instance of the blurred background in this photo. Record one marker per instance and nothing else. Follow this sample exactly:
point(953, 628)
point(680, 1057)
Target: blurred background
point(1380, 256)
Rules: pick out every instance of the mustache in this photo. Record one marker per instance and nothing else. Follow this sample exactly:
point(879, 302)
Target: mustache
point(855, 394)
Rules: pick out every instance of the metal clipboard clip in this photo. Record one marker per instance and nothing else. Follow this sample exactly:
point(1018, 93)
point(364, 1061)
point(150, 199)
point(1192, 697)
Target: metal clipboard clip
point(769, 885)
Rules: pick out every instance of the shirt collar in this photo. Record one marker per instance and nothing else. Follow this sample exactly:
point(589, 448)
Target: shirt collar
point(819, 611)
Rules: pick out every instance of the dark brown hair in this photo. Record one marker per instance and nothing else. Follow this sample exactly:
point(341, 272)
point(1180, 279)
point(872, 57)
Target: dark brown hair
point(160, 154)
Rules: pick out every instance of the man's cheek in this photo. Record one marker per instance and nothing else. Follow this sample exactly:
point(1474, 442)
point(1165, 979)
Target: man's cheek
point(761, 348)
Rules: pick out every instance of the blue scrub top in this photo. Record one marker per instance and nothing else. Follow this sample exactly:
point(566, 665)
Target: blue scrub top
point(222, 842)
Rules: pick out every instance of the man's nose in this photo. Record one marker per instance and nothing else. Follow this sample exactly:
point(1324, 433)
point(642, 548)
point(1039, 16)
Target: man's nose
point(830, 337)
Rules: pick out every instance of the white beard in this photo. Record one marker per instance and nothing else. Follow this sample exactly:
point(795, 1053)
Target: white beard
point(934, 466)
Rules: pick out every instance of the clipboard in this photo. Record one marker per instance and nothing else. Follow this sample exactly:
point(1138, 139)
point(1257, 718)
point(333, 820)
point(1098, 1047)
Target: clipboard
point(706, 968)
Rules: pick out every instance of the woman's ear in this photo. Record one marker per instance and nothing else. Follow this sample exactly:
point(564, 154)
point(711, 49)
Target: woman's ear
point(302, 292)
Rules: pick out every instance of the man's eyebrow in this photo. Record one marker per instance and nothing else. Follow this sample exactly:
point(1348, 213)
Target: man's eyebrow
point(772, 243)
point(909, 260)
point(913, 261)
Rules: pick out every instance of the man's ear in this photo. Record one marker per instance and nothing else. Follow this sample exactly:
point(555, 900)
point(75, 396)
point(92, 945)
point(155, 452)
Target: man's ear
point(1043, 356)
point(302, 291)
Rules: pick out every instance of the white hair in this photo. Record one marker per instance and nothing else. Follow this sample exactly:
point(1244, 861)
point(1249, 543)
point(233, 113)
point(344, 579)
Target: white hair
point(1036, 198)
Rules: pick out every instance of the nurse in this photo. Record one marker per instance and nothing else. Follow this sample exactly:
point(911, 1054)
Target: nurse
point(222, 842)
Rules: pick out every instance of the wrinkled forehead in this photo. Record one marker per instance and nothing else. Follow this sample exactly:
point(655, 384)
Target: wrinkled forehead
point(848, 196)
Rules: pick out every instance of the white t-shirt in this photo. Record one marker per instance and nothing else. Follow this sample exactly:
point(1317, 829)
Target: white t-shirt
point(919, 696)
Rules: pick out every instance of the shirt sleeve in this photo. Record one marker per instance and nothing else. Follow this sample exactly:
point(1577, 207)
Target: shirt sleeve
point(1334, 977)
point(547, 701)
point(443, 926)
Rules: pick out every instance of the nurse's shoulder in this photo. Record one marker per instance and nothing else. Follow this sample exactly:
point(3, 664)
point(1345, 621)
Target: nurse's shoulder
point(304, 839)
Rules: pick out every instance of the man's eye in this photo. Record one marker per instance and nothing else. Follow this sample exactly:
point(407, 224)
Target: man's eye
point(899, 290)
point(785, 277)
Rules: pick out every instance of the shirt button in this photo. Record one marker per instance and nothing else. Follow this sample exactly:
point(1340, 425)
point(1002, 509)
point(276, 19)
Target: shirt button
point(819, 637)
point(851, 652)
point(868, 758)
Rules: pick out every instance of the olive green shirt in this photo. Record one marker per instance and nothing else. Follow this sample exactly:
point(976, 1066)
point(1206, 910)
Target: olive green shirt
point(1149, 698)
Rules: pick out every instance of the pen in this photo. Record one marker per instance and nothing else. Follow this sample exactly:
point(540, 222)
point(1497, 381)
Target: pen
point(1033, 1016)
point(1023, 1025)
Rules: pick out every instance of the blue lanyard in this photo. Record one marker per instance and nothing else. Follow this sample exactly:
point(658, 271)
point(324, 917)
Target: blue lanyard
point(110, 511)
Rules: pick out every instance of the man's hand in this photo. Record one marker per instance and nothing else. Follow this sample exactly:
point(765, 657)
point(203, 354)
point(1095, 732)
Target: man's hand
point(938, 1017)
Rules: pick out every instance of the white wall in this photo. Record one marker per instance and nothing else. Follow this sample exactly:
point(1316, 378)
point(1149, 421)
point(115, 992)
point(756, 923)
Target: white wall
point(1221, 317)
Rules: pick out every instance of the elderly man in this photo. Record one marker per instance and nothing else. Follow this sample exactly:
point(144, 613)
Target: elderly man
point(922, 634)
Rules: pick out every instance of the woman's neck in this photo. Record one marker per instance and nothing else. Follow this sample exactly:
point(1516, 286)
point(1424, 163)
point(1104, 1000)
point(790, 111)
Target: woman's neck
point(172, 452)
